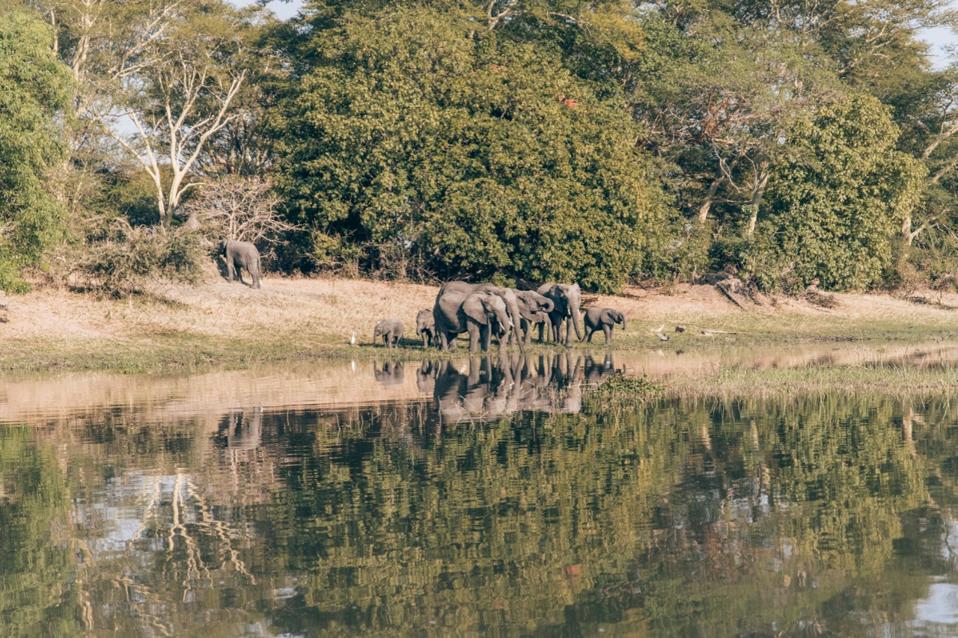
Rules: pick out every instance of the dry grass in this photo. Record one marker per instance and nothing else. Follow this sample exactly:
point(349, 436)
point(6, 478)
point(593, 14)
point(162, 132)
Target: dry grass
point(230, 324)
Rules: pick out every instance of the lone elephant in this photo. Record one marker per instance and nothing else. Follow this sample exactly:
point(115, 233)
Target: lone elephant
point(241, 255)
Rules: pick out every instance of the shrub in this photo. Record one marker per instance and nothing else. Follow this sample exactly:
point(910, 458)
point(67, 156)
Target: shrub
point(127, 258)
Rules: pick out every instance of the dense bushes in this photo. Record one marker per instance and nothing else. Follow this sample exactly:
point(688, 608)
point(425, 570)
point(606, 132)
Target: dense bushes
point(125, 258)
point(431, 149)
point(836, 201)
point(33, 90)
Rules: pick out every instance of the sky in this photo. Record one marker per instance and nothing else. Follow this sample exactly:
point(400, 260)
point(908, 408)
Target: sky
point(939, 40)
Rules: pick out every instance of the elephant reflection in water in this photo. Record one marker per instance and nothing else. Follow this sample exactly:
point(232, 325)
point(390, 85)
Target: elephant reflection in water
point(489, 388)
point(389, 372)
point(243, 431)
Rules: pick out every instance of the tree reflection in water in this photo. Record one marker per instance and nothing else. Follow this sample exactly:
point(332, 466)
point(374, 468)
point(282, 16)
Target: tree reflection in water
point(510, 502)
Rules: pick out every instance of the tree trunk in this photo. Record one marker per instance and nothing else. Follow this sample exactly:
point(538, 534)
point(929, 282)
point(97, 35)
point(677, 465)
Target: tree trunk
point(757, 194)
point(706, 206)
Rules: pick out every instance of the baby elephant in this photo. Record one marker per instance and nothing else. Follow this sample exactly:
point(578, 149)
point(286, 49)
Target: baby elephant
point(603, 319)
point(241, 254)
point(426, 327)
point(390, 331)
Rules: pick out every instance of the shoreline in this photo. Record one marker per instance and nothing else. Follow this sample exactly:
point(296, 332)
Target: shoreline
point(221, 325)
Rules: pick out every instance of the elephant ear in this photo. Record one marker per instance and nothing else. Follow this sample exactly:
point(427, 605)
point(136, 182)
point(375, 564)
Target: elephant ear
point(474, 308)
point(608, 316)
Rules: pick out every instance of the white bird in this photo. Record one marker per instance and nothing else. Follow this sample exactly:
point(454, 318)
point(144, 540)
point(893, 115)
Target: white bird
point(352, 339)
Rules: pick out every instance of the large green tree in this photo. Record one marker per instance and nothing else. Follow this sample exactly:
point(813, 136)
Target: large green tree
point(837, 200)
point(439, 148)
point(33, 93)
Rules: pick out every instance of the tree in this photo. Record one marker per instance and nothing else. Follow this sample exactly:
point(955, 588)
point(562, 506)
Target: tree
point(33, 96)
point(446, 151)
point(179, 100)
point(837, 201)
point(240, 208)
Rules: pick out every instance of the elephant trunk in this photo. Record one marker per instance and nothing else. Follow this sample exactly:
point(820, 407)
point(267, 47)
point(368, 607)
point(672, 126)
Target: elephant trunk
point(576, 320)
point(548, 306)
point(623, 324)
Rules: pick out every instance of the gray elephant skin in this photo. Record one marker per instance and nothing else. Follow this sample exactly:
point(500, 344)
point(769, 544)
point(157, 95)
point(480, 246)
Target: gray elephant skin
point(508, 296)
point(478, 313)
point(603, 319)
point(426, 327)
point(389, 331)
point(568, 300)
point(241, 255)
point(534, 310)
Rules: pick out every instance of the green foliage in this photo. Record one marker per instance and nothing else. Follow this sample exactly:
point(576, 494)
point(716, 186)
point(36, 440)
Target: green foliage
point(453, 153)
point(125, 258)
point(33, 93)
point(836, 201)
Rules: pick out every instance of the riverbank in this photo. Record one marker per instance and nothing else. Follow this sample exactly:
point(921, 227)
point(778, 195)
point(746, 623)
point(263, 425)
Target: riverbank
point(218, 324)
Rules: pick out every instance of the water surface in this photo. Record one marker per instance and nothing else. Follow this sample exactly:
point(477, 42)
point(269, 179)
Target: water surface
point(494, 495)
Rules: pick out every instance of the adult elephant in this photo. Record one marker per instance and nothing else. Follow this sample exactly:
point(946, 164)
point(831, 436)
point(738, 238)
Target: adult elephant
point(477, 313)
point(508, 296)
point(567, 299)
point(240, 255)
point(534, 310)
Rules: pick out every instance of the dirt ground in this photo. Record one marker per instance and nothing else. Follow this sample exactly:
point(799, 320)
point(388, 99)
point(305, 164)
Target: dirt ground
point(327, 312)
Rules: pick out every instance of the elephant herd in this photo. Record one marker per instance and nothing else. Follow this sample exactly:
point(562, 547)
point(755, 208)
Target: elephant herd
point(483, 311)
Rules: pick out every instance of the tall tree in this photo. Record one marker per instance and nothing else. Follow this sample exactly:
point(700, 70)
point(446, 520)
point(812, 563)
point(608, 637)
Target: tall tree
point(33, 96)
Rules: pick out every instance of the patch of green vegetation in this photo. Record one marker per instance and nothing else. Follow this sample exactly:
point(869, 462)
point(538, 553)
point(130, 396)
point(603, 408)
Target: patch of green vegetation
point(619, 389)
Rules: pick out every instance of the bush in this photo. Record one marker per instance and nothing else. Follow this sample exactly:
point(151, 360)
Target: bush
point(127, 258)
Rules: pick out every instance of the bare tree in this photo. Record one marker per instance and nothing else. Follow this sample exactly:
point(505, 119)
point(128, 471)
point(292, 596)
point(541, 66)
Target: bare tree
point(168, 107)
point(241, 208)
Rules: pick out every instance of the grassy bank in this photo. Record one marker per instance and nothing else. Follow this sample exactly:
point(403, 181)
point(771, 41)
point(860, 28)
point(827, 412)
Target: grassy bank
point(229, 325)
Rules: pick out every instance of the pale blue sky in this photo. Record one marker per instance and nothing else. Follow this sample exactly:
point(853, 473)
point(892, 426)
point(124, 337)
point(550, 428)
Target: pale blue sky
point(939, 40)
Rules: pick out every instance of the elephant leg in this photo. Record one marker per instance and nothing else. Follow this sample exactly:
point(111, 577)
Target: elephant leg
point(568, 330)
point(591, 332)
point(485, 332)
point(608, 333)
point(542, 327)
point(473, 336)
point(230, 269)
point(254, 273)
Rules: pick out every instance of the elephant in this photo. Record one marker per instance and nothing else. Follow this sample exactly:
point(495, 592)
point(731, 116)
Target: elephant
point(603, 319)
point(567, 299)
point(478, 313)
point(390, 331)
point(534, 310)
point(426, 327)
point(508, 296)
point(241, 254)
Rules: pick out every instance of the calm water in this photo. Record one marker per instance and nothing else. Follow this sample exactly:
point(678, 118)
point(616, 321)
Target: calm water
point(494, 497)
